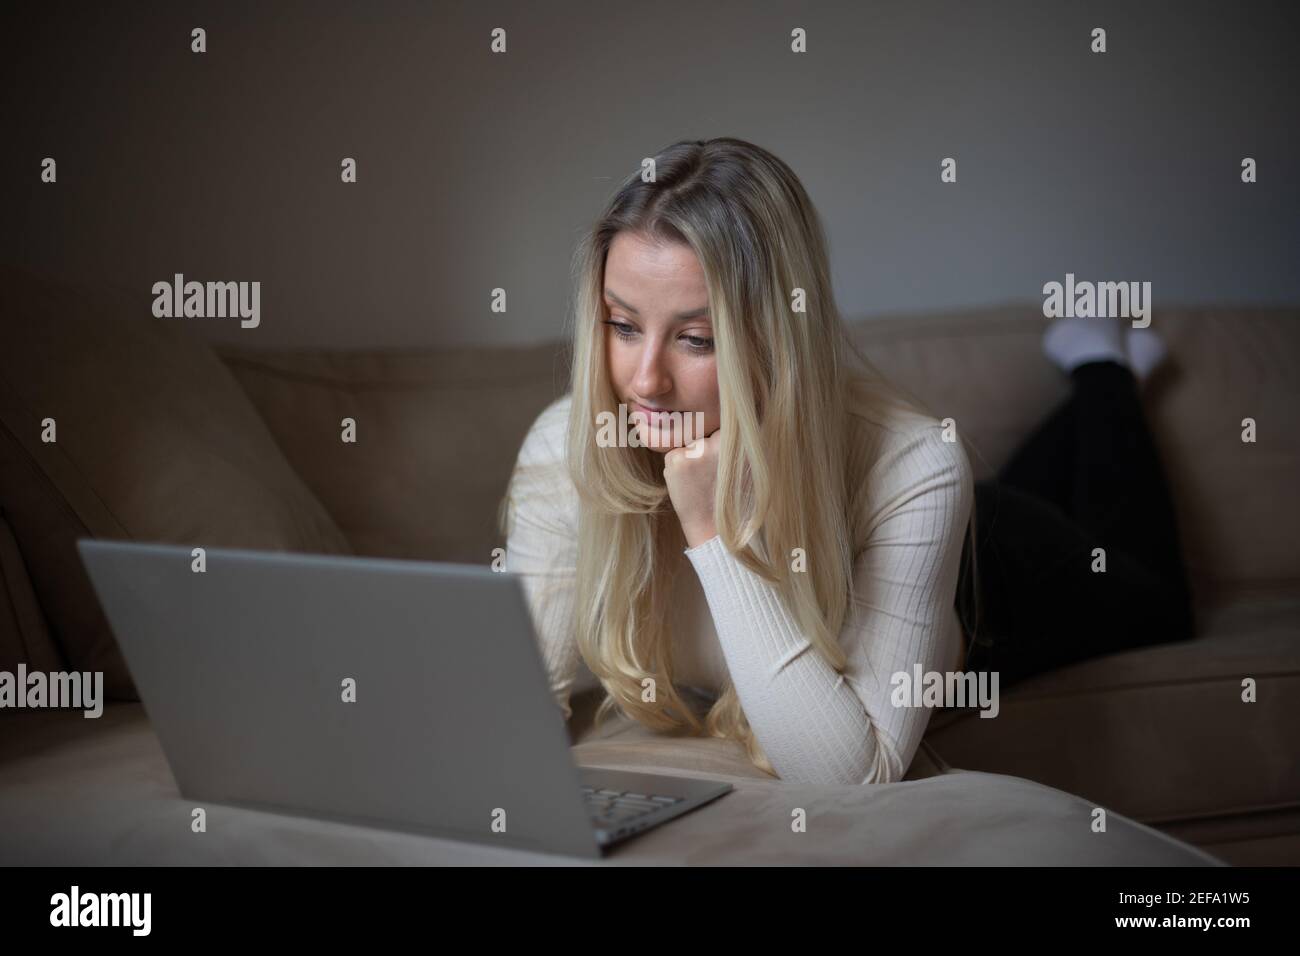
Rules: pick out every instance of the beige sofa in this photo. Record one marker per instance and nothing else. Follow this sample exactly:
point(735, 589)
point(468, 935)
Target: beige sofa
point(163, 438)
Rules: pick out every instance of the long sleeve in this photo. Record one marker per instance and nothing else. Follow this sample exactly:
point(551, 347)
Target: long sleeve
point(818, 726)
point(541, 546)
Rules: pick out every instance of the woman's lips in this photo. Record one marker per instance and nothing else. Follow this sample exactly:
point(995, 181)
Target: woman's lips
point(649, 411)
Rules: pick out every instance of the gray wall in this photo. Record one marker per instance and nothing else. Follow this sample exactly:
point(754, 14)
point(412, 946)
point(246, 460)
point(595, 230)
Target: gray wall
point(481, 170)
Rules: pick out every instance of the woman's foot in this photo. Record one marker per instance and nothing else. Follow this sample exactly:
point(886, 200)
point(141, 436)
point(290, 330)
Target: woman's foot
point(1146, 351)
point(1076, 340)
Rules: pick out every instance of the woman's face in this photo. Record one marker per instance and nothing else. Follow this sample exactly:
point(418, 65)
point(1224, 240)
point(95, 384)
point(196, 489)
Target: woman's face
point(659, 336)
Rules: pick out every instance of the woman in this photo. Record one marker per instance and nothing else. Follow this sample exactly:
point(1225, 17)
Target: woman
point(786, 567)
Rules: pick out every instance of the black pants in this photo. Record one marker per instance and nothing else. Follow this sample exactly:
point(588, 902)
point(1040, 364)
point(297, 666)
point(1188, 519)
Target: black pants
point(1090, 477)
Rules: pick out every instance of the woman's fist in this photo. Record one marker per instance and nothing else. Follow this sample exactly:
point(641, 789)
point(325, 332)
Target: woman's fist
point(691, 474)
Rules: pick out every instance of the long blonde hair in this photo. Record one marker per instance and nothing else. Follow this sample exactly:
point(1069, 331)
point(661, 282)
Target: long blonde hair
point(787, 394)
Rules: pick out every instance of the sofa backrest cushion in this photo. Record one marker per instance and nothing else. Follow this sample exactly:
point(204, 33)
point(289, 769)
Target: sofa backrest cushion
point(436, 436)
point(24, 636)
point(155, 442)
point(1238, 517)
point(438, 429)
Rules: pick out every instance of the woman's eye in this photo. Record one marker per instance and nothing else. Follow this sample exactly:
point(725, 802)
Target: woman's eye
point(695, 342)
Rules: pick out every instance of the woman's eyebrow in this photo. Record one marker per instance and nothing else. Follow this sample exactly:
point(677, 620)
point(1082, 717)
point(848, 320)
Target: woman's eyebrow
point(679, 317)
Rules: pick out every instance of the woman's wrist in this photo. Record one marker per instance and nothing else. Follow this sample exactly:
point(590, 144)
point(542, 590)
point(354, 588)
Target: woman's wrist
point(696, 536)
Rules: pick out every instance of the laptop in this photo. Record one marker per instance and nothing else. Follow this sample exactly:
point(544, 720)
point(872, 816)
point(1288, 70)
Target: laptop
point(408, 695)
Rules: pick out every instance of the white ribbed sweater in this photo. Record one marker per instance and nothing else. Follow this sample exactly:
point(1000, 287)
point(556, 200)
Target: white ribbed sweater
point(814, 725)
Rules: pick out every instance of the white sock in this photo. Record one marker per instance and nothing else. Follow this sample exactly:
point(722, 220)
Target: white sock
point(1146, 350)
point(1072, 341)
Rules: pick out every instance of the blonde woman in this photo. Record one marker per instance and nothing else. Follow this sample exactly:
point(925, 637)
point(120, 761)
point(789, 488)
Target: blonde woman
point(768, 582)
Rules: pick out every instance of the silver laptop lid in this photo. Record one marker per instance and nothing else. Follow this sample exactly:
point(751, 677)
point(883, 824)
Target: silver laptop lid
point(404, 694)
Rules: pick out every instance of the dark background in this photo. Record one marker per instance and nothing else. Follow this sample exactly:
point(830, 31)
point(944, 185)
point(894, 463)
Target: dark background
point(479, 170)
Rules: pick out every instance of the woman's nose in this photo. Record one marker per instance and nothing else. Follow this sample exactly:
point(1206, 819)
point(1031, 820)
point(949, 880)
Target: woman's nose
point(652, 373)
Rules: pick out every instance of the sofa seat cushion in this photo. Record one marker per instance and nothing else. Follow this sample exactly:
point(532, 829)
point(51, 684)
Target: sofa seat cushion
point(1161, 733)
point(83, 792)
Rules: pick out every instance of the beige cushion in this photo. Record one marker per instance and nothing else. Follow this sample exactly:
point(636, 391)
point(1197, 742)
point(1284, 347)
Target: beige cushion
point(1160, 733)
point(97, 792)
point(24, 635)
point(1235, 501)
point(439, 428)
point(437, 434)
point(156, 442)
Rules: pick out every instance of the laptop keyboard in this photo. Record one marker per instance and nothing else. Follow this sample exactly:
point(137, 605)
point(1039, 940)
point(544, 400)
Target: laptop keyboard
point(613, 807)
